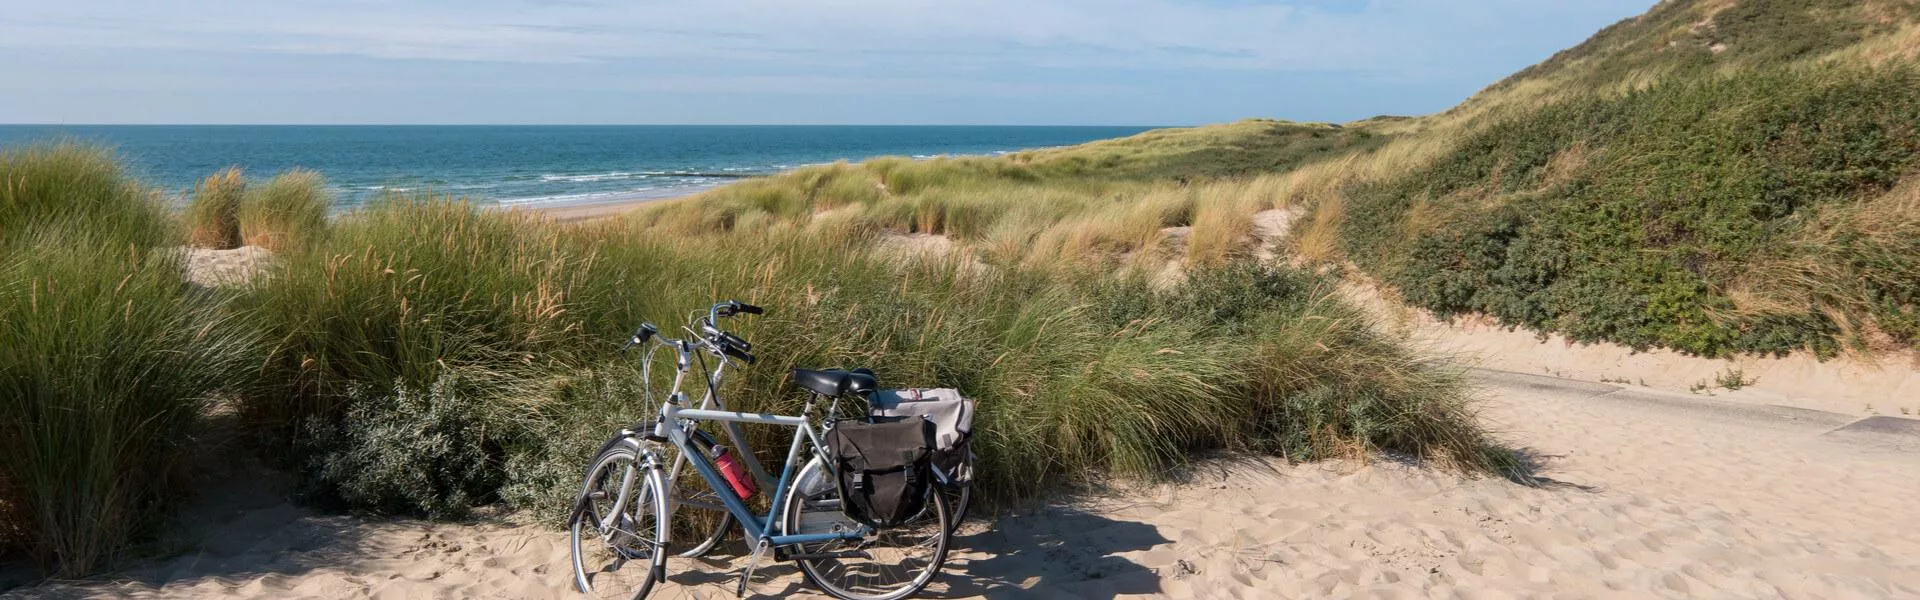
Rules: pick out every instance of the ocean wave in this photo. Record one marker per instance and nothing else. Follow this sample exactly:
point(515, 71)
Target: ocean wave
point(589, 178)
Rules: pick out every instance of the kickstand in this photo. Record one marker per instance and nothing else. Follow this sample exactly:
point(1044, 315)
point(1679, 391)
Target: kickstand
point(759, 549)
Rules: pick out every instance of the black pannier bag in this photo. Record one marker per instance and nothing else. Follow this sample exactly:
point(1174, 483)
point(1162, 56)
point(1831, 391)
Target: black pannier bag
point(883, 468)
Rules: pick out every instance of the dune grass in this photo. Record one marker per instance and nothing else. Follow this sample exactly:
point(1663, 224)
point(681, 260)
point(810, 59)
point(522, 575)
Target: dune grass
point(66, 185)
point(289, 212)
point(1080, 375)
point(1241, 149)
point(212, 214)
point(105, 358)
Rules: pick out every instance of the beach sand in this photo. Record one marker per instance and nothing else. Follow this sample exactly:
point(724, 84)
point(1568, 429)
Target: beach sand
point(584, 212)
point(1643, 494)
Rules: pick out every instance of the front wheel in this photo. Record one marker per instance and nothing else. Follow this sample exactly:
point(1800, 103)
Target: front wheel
point(617, 545)
point(890, 564)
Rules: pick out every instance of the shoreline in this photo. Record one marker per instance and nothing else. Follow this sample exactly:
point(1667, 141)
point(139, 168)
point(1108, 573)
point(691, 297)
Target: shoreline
point(571, 213)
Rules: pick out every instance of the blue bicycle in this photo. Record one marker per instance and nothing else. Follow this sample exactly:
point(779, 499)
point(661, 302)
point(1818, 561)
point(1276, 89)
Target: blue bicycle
point(622, 522)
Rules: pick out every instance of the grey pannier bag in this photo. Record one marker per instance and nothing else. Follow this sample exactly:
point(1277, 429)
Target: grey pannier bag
point(952, 417)
point(882, 468)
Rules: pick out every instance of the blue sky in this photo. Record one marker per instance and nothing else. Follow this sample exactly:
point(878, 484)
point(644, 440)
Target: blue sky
point(1121, 62)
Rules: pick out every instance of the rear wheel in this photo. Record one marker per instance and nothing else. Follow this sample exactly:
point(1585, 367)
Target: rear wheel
point(886, 565)
point(617, 555)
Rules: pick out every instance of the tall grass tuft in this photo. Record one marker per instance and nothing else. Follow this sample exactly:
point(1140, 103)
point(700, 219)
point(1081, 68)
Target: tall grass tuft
point(288, 213)
point(76, 186)
point(213, 214)
point(105, 358)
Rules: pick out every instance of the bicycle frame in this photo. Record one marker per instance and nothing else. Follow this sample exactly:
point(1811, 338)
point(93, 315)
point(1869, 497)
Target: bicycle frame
point(757, 527)
point(708, 400)
point(668, 428)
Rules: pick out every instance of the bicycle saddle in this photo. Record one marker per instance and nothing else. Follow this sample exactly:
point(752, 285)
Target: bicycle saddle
point(836, 382)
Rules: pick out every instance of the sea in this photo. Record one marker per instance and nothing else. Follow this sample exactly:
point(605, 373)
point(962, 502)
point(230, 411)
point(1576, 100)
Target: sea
point(528, 165)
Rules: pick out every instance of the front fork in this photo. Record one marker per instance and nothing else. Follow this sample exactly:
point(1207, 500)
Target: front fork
point(645, 461)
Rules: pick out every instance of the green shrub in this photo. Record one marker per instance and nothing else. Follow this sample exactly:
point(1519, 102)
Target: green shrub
point(213, 214)
point(413, 450)
point(288, 213)
point(1676, 191)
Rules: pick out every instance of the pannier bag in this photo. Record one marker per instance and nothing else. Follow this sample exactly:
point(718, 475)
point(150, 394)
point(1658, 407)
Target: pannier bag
point(883, 468)
point(952, 417)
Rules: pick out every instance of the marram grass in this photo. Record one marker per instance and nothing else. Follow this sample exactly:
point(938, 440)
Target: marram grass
point(212, 214)
point(106, 359)
point(287, 213)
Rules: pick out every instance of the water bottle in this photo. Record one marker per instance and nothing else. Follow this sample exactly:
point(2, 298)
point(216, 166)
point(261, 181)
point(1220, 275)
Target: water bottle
point(735, 473)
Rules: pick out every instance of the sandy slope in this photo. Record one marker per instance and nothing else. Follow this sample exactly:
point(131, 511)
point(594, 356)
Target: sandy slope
point(1651, 496)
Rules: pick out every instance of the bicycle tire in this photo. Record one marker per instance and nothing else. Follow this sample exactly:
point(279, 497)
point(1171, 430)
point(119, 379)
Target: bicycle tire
point(622, 546)
point(808, 496)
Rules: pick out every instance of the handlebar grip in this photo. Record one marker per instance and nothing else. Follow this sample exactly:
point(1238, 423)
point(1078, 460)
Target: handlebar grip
point(735, 341)
point(640, 336)
point(736, 352)
point(749, 308)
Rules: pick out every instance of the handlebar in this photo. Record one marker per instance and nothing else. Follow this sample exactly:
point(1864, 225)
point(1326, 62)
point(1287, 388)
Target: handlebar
point(718, 340)
point(731, 308)
point(729, 344)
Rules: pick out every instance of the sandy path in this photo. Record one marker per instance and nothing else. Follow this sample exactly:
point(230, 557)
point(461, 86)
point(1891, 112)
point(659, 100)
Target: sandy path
point(1654, 496)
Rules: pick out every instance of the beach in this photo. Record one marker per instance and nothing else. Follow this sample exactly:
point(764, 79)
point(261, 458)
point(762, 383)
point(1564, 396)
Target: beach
point(1640, 494)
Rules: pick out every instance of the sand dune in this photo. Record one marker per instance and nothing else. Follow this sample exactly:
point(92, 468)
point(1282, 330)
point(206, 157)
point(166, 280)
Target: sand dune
point(1645, 496)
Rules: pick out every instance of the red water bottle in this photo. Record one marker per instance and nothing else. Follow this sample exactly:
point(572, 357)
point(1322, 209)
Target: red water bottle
point(735, 473)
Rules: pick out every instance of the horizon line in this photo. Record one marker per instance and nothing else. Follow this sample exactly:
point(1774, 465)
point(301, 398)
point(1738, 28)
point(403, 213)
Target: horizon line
point(63, 124)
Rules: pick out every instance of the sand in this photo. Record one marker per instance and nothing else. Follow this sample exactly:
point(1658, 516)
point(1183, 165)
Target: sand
point(585, 212)
point(212, 268)
point(1885, 384)
point(1644, 494)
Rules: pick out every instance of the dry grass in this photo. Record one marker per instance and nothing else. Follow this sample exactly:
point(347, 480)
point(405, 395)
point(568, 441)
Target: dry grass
point(213, 215)
point(1223, 223)
point(1854, 263)
point(288, 213)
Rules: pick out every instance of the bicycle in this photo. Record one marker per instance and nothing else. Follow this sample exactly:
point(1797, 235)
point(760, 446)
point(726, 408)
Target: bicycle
point(625, 511)
point(959, 498)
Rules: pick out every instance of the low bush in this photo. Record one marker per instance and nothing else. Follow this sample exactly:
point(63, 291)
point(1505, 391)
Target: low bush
point(413, 450)
point(1676, 192)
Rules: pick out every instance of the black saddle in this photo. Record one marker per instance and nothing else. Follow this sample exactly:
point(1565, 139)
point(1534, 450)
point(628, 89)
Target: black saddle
point(836, 382)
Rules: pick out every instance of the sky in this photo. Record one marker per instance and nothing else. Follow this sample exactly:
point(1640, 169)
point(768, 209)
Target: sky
point(1015, 62)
